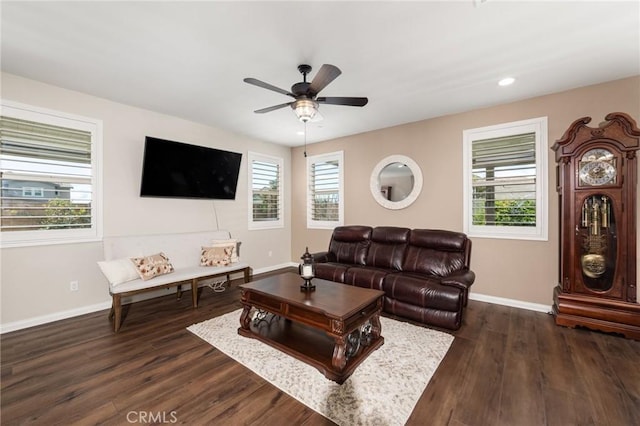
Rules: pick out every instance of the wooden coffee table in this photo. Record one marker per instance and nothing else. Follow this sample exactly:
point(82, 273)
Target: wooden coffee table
point(333, 328)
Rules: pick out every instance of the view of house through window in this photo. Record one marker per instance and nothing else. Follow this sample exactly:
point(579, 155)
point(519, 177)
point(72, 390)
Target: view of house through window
point(505, 175)
point(47, 178)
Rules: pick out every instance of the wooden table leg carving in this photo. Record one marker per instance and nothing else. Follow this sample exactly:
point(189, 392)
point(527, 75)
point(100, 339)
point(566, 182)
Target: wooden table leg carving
point(376, 327)
point(245, 319)
point(339, 360)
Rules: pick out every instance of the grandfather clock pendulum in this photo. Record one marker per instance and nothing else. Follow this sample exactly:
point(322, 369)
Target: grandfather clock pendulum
point(597, 176)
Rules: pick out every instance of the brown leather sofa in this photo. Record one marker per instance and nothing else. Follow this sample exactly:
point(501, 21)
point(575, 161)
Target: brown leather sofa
point(424, 273)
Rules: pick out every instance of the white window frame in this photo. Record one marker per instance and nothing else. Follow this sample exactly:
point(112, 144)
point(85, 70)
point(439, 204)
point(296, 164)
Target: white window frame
point(540, 231)
point(325, 224)
point(270, 224)
point(61, 236)
point(33, 192)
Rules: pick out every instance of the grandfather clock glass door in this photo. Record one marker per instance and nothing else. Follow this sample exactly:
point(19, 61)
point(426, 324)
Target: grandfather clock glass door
point(597, 244)
point(597, 179)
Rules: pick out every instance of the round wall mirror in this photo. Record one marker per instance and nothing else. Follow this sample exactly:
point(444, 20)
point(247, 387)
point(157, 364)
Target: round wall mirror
point(396, 182)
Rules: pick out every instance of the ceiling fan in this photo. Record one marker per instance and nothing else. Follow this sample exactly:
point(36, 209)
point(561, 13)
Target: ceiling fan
point(305, 94)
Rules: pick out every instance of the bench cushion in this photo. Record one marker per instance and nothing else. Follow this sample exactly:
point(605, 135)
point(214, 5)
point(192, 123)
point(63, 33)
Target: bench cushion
point(179, 275)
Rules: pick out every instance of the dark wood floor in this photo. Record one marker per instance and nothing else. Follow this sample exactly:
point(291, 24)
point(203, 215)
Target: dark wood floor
point(506, 367)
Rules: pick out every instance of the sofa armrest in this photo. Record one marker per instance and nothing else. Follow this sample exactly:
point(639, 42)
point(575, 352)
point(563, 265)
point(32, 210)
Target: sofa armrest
point(322, 257)
point(461, 279)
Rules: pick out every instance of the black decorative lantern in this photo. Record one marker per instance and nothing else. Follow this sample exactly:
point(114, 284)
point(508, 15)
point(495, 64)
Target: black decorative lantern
point(307, 271)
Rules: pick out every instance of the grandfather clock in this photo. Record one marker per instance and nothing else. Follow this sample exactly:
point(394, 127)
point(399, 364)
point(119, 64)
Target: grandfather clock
point(597, 179)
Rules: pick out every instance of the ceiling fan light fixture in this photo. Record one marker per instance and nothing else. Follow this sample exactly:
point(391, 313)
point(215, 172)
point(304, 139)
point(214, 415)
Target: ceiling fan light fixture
point(305, 109)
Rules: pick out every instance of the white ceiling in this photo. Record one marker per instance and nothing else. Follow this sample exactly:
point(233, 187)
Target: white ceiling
point(413, 60)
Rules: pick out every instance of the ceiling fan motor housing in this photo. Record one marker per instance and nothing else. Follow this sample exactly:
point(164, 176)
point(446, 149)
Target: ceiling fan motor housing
point(300, 89)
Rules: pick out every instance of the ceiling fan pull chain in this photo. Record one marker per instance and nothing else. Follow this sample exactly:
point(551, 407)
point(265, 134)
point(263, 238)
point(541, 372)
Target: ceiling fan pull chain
point(305, 139)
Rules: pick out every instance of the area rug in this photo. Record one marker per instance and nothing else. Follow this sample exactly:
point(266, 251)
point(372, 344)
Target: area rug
point(383, 390)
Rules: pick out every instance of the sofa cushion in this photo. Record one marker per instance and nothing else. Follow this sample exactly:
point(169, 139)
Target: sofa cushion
point(366, 277)
point(331, 271)
point(435, 252)
point(349, 244)
point(387, 247)
point(434, 317)
point(424, 291)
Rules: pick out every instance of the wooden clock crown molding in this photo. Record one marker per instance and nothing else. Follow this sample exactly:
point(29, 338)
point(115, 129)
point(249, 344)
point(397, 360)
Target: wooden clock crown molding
point(619, 129)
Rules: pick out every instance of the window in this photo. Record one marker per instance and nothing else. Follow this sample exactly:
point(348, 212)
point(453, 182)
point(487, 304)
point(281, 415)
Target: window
point(32, 192)
point(49, 164)
point(505, 180)
point(325, 199)
point(266, 193)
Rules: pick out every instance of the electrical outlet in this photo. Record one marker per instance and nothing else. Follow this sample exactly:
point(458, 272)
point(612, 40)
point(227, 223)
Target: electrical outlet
point(73, 286)
point(270, 253)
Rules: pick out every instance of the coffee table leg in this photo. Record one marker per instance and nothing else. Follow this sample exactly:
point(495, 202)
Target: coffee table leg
point(339, 360)
point(244, 317)
point(376, 327)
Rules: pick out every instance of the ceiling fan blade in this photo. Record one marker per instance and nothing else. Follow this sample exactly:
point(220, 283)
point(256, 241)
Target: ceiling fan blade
point(325, 75)
point(348, 101)
point(272, 108)
point(268, 86)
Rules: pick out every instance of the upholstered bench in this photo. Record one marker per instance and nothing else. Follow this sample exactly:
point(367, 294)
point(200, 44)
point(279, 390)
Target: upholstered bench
point(144, 263)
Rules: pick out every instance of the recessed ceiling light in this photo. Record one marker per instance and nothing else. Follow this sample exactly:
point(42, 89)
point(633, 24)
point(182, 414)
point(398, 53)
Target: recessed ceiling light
point(300, 132)
point(506, 81)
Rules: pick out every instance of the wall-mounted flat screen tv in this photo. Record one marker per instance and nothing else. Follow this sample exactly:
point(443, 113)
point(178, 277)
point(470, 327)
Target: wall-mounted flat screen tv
point(179, 170)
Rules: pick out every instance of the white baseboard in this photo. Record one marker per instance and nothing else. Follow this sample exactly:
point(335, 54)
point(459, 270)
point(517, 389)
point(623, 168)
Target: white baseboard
point(57, 316)
point(511, 302)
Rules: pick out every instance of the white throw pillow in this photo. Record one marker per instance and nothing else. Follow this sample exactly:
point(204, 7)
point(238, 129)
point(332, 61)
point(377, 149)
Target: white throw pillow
point(118, 271)
point(224, 243)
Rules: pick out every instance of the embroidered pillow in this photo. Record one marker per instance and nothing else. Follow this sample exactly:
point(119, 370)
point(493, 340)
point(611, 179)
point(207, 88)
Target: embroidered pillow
point(152, 266)
point(118, 271)
point(226, 243)
point(216, 256)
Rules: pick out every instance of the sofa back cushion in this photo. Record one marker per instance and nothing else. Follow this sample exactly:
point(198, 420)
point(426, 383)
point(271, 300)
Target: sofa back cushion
point(437, 252)
point(349, 244)
point(388, 245)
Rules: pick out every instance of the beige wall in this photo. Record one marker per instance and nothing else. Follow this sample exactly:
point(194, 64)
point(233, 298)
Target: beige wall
point(523, 271)
point(35, 280)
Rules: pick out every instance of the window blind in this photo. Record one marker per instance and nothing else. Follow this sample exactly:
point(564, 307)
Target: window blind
point(325, 190)
point(266, 191)
point(46, 176)
point(29, 139)
point(504, 181)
